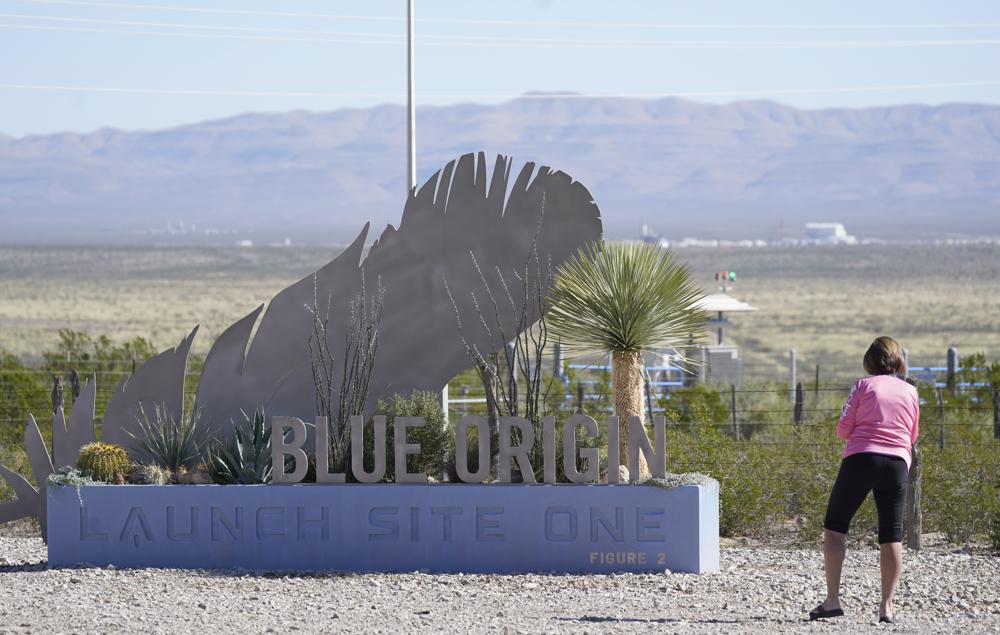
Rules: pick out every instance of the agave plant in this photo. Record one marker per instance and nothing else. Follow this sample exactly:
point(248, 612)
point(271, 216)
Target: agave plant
point(246, 458)
point(174, 443)
point(622, 299)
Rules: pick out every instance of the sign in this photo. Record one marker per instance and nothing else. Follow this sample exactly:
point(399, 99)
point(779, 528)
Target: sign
point(289, 436)
point(389, 528)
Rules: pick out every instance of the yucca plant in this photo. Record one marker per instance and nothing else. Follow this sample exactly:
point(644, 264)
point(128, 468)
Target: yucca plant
point(246, 458)
point(176, 444)
point(623, 298)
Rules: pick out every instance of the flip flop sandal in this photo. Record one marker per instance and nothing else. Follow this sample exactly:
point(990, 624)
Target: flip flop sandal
point(888, 619)
point(820, 613)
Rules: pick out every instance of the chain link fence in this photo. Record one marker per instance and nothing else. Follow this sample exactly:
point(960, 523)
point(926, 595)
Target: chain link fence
point(771, 445)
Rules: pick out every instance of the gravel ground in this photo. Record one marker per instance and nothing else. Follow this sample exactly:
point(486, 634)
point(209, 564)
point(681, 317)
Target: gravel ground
point(763, 590)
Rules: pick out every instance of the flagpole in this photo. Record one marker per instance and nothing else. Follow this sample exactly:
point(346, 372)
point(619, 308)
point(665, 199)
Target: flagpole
point(411, 144)
point(411, 132)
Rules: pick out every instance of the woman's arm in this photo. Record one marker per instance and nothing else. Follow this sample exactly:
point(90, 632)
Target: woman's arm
point(849, 415)
point(915, 429)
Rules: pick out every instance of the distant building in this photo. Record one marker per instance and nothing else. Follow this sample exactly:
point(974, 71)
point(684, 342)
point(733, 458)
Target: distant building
point(649, 235)
point(827, 234)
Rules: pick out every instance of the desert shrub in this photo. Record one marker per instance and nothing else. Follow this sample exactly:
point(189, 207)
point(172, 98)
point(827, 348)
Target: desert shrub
point(246, 457)
point(22, 391)
point(104, 461)
point(746, 498)
point(599, 395)
point(961, 482)
point(176, 444)
point(15, 458)
point(87, 354)
point(697, 404)
point(97, 353)
point(434, 438)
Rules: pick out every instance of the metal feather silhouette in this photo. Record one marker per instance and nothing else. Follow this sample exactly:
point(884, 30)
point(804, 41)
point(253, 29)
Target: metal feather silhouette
point(462, 225)
point(159, 381)
point(461, 213)
point(67, 440)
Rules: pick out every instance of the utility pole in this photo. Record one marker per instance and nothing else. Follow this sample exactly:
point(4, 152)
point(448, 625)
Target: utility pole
point(411, 144)
point(411, 112)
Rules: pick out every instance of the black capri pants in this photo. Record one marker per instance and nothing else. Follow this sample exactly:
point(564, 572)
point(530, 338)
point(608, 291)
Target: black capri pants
point(862, 473)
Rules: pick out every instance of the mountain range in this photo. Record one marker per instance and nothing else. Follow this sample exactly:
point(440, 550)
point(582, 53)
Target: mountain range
point(753, 169)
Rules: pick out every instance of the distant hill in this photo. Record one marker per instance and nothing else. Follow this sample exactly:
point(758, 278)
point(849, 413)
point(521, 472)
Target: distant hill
point(745, 170)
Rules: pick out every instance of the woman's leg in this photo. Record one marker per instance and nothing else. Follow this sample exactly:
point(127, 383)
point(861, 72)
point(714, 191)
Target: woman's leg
point(834, 550)
point(891, 563)
point(890, 500)
point(849, 491)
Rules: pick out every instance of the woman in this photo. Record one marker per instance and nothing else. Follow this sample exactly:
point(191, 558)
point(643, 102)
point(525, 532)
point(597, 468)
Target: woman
point(879, 422)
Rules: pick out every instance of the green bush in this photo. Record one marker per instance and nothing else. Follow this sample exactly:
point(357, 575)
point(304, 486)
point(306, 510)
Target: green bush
point(778, 481)
point(696, 404)
point(22, 391)
point(434, 438)
point(98, 354)
point(960, 482)
point(748, 502)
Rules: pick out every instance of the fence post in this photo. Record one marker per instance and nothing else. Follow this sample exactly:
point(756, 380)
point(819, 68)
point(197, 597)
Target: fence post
point(799, 398)
point(512, 374)
point(557, 360)
point(914, 517)
point(579, 397)
point(736, 423)
point(996, 414)
point(74, 382)
point(906, 361)
point(940, 405)
point(703, 369)
point(444, 404)
point(791, 375)
point(649, 395)
point(952, 368)
point(57, 393)
point(816, 384)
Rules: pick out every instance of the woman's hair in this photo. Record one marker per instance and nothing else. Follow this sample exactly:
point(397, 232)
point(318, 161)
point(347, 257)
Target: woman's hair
point(884, 357)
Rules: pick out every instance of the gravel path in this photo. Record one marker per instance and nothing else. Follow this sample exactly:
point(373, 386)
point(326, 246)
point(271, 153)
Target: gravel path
point(759, 590)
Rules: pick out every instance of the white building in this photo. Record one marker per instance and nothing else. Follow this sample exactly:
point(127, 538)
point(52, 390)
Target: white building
point(827, 234)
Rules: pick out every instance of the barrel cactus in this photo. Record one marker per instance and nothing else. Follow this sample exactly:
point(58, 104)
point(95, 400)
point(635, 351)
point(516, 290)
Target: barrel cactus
point(104, 461)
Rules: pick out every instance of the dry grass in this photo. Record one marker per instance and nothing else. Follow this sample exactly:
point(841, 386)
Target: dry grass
point(828, 303)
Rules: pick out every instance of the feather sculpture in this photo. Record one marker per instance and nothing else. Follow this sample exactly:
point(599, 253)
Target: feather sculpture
point(466, 223)
point(463, 215)
point(159, 381)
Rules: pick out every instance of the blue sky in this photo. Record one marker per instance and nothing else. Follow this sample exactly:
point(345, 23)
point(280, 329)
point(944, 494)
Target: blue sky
point(232, 56)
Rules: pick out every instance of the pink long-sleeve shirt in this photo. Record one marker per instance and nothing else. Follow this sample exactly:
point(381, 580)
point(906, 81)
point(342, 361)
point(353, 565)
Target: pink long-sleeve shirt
point(882, 415)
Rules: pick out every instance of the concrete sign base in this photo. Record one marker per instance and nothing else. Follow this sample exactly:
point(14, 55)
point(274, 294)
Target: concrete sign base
point(388, 528)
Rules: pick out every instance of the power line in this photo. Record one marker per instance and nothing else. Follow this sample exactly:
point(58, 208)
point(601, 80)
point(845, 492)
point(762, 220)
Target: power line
point(546, 43)
point(186, 25)
point(569, 24)
point(209, 36)
point(496, 96)
point(435, 38)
